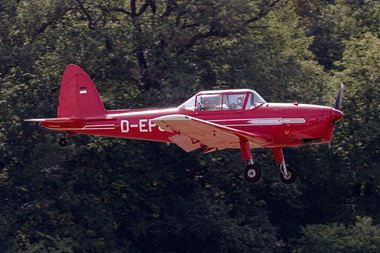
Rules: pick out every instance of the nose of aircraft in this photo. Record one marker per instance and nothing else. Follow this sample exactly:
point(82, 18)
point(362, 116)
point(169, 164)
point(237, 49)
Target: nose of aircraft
point(336, 114)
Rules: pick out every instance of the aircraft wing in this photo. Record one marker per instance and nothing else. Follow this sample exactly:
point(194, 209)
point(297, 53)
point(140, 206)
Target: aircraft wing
point(191, 133)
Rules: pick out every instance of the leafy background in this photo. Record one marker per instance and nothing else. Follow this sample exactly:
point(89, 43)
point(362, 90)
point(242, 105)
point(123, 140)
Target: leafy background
point(106, 194)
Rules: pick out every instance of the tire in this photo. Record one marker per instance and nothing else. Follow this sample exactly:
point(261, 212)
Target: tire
point(63, 142)
point(292, 175)
point(252, 173)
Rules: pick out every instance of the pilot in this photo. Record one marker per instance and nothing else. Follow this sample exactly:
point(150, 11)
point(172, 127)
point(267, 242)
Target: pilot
point(206, 105)
point(239, 103)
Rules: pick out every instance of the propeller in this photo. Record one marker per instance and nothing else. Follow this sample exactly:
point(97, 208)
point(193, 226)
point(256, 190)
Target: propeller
point(337, 106)
point(335, 113)
point(339, 97)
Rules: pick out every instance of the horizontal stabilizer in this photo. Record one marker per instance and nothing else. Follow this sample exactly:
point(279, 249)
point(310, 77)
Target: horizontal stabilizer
point(55, 120)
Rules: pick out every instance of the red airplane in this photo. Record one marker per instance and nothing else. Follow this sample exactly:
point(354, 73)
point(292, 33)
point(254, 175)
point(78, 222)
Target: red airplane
point(210, 120)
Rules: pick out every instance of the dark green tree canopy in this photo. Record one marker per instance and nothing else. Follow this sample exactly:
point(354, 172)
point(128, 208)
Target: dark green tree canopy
point(103, 194)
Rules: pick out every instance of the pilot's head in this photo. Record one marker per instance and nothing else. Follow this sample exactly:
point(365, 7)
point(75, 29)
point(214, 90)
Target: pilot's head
point(207, 105)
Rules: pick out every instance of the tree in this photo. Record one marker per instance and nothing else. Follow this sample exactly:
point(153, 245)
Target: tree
point(360, 237)
point(101, 193)
point(360, 74)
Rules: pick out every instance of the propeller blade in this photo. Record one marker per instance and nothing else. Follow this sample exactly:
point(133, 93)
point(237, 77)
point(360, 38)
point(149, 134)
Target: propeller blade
point(339, 97)
point(337, 106)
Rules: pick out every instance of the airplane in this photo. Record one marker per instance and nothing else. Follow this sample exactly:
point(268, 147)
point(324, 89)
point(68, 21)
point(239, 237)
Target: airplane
point(210, 121)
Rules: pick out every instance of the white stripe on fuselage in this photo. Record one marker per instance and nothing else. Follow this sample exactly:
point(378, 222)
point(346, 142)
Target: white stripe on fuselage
point(263, 121)
point(230, 123)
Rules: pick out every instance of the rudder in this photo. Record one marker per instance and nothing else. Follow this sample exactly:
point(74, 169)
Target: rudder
point(78, 95)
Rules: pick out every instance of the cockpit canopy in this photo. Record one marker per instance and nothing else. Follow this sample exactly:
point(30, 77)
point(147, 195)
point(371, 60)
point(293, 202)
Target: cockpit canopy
point(223, 100)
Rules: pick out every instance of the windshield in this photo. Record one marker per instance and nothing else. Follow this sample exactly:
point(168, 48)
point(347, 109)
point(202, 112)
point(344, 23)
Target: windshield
point(254, 100)
point(189, 104)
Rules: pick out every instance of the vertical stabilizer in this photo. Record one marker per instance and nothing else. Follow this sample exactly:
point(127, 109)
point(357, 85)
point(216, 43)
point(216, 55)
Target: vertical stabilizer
point(78, 95)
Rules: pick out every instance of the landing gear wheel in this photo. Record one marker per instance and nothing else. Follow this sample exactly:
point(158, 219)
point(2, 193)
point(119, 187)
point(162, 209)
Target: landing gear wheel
point(252, 173)
point(290, 177)
point(63, 142)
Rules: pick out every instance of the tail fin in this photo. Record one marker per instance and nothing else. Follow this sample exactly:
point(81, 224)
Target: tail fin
point(78, 95)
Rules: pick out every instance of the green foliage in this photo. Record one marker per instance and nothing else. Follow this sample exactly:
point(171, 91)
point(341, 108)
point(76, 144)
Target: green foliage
point(103, 194)
point(361, 67)
point(360, 237)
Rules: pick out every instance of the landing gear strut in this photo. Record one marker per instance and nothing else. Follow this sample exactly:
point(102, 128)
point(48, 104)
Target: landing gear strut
point(252, 172)
point(288, 174)
point(64, 141)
